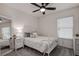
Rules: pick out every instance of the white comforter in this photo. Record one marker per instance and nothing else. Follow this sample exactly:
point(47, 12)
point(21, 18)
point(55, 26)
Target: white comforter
point(42, 44)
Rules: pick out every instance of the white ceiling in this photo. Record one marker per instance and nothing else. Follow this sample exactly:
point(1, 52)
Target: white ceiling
point(28, 8)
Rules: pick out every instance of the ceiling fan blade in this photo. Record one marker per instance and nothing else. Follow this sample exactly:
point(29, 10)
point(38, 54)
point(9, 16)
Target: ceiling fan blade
point(36, 10)
point(46, 4)
point(43, 13)
point(42, 4)
point(51, 8)
point(35, 4)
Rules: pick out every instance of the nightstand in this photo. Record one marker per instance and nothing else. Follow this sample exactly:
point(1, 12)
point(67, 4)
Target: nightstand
point(0, 50)
point(76, 45)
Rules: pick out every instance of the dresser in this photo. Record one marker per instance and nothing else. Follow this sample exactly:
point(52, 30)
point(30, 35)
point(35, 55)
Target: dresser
point(0, 50)
point(76, 45)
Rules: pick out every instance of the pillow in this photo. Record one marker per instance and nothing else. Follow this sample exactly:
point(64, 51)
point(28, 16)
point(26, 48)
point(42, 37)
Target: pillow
point(34, 35)
point(27, 34)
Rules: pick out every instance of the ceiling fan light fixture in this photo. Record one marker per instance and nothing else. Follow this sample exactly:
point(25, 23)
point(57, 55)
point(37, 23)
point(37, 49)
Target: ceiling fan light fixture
point(42, 9)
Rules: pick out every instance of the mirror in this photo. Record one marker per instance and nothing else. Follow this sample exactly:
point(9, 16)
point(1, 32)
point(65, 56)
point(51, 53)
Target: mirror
point(5, 34)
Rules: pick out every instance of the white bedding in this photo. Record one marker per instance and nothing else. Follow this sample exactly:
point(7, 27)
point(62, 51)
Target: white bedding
point(4, 43)
point(42, 44)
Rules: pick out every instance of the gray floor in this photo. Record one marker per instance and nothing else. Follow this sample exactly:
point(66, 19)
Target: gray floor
point(58, 51)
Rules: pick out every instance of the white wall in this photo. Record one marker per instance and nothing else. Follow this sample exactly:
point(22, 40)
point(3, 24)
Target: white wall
point(48, 24)
point(19, 19)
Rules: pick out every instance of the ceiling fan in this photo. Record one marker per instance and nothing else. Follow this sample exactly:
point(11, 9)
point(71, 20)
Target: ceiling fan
point(43, 7)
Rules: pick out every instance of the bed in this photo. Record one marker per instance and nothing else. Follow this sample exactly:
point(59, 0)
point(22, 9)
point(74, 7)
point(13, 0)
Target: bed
point(4, 43)
point(42, 44)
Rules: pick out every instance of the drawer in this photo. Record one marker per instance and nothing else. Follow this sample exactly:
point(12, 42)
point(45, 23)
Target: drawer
point(77, 46)
point(77, 52)
point(76, 41)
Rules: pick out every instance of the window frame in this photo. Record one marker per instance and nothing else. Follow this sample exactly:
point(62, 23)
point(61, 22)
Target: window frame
point(65, 27)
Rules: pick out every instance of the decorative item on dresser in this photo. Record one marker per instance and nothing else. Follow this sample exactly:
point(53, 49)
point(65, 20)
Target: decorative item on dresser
point(76, 44)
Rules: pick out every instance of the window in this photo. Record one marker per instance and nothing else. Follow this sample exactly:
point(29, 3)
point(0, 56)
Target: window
point(6, 32)
point(65, 27)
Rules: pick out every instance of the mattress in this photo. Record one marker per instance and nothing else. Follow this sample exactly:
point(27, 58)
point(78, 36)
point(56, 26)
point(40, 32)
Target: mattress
point(42, 44)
